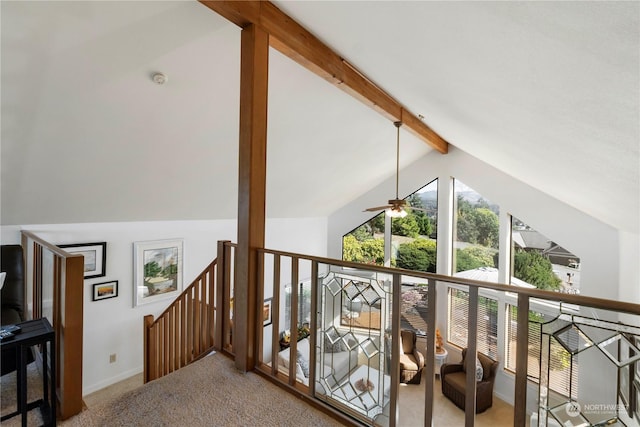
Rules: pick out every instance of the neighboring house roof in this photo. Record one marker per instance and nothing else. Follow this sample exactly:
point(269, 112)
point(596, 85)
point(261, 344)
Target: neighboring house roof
point(530, 239)
point(490, 274)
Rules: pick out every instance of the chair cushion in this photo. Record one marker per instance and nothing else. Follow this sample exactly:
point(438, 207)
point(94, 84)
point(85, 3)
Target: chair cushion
point(457, 380)
point(487, 363)
point(408, 362)
point(406, 338)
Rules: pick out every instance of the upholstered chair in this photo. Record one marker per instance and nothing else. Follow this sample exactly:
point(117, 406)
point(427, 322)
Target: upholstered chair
point(411, 360)
point(454, 382)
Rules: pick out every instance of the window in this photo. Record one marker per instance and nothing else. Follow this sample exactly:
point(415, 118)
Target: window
point(487, 329)
point(413, 238)
point(413, 313)
point(563, 368)
point(360, 304)
point(539, 261)
point(475, 235)
point(304, 304)
point(365, 243)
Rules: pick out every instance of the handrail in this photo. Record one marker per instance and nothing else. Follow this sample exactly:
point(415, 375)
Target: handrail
point(523, 295)
point(67, 315)
point(185, 331)
point(594, 302)
point(56, 250)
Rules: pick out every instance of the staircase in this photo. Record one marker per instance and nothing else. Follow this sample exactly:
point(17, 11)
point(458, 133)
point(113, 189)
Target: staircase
point(186, 330)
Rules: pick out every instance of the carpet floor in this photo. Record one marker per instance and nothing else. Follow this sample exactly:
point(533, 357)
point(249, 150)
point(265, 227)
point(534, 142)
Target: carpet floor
point(211, 392)
point(197, 395)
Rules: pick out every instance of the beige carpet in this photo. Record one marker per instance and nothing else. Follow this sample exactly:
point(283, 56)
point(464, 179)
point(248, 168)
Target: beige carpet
point(205, 394)
point(197, 395)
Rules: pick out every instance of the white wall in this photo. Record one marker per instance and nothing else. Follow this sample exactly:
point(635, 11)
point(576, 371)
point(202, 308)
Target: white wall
point(609, 267)
point(114, 325)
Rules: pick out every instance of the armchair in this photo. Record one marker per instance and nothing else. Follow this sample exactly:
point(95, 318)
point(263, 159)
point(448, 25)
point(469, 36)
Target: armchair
point(453, 380)
point(411, 360)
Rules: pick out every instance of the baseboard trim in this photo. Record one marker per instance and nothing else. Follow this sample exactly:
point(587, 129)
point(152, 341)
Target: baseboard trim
point(110, 381)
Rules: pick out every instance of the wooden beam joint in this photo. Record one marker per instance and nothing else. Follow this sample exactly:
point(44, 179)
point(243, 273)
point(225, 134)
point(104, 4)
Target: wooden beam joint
point(294, 41)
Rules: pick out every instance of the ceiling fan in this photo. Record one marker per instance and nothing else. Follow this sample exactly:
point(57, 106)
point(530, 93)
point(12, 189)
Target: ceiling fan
point(397, 208)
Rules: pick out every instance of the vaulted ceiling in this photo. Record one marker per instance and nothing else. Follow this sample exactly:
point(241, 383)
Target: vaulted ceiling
point(548, 92)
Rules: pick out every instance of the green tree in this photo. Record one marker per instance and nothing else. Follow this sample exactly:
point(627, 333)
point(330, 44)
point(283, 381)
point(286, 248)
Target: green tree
point(477, 224)
point(362, 233)
point(535, 269)
point(474, 257)
point(407, 226)
point(419, 255)
point(151, 269)
point(351, 249)
point(373, 251)
point(377, 223)
point(369, 251)
point(487, 224)
point(425, 227)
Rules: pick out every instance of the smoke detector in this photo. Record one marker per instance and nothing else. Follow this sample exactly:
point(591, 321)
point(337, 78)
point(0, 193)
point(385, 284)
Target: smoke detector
point(159, 78)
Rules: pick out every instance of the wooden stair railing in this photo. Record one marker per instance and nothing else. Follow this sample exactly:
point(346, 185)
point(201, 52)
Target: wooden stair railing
point(62, 281)
point(184, 332)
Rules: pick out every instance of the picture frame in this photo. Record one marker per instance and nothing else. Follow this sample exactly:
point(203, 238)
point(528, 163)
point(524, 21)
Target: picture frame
point(95, 257)
point(266, 312)
point(157, 270)
point(105, 290)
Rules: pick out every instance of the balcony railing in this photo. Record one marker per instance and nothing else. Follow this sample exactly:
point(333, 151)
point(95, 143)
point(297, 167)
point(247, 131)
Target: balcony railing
point(379, 290)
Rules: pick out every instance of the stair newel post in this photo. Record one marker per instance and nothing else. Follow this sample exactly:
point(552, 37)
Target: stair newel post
point(150, 346)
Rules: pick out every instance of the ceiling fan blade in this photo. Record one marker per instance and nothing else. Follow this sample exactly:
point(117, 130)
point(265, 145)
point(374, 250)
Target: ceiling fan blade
point(378, 208)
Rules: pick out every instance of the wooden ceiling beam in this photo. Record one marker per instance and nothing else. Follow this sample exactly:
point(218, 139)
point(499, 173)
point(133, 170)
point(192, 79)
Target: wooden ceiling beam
point(294, 41)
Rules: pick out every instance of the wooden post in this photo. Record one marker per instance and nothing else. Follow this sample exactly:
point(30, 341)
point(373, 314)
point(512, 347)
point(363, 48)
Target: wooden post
point(522, 344)
point(430, 353)
point(470, 359)
point(254, 67)
point(149, 349)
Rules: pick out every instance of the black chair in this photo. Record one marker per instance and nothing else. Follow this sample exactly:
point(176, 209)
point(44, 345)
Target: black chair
point(12, 299)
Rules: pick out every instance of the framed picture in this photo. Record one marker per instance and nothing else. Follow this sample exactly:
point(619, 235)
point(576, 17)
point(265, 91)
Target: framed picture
point(105, 290)
point(266, 312)
point(157, 270)
point(95, 257)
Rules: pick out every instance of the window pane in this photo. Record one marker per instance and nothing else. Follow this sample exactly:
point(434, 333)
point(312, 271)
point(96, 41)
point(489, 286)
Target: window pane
point(475, 235)
point(413, 238)
point(487, 329)
point(413, 313)
point(561, 369)
point(541, 262)
point(360, 304)
point(365, 243)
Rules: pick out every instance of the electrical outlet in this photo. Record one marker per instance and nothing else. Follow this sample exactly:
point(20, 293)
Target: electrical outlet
point(112, 358)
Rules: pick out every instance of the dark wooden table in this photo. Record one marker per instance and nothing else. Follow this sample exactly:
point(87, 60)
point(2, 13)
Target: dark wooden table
point(34, 332)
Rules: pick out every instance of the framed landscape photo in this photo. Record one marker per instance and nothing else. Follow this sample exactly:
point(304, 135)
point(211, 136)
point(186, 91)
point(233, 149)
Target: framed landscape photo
point(105, 290)
point(266, 312)
point(157, 270)
point(95, 257)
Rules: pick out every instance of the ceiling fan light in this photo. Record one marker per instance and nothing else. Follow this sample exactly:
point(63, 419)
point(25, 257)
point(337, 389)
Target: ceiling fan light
point(396, 213)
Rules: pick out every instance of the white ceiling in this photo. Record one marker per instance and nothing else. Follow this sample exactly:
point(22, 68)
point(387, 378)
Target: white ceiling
point(548, 92)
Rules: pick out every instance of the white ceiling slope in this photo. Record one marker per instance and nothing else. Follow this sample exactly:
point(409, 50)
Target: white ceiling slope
point(547, 92)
